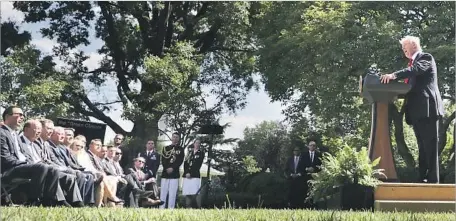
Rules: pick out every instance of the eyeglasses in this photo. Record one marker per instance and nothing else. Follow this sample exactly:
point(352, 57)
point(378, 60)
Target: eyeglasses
point(117, 138)
point(117, 154)
point(141, 161)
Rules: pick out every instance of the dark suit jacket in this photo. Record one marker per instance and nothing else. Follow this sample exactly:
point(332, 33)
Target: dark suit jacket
point(177, 161)
point(69, 158)
point(134, 172)
point(49, 155)
point(56, 150)
point(27, 152)
point(152, 162)
point(308, 163)
point(423, 100)
point(290, 167)
point(119, 170)
point(193, 163)
point(108, 167)
point(96, 161)
point(9, 157)
point(39, 144)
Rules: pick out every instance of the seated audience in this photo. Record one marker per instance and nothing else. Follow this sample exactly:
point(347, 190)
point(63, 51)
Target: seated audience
point(49, 143)
point(106, 185)
point(44, 186)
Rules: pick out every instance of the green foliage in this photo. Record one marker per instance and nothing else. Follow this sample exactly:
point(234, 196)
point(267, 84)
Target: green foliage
point(347, 166)
point(271, 188)
point(61, 214)
point(27, 80)
point(268, 143)
point(250, 164)
point(259, 190)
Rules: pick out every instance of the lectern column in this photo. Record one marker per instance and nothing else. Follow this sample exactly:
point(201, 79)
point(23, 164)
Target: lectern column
point(380, 140)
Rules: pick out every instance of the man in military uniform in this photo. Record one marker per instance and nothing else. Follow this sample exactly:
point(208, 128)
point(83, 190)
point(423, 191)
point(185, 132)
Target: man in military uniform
point(152, 162)
point(172, 158)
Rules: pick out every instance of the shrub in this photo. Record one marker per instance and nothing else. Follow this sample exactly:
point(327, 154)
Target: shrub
point(348, 166)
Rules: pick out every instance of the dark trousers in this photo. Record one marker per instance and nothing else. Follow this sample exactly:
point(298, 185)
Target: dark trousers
point(88, 191)
point(70, 186)
point(297, 192)
point(86, 184)
point(426, 132)
point(44, 181)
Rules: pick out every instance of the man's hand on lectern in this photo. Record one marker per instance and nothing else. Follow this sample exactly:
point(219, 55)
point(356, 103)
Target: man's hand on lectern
point(385, 78)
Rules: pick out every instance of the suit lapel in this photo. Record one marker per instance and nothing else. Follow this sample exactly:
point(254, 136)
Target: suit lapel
point(25, 149)
point(11, 141)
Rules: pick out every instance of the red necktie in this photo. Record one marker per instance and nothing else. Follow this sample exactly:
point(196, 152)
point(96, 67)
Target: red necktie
point(409, 65)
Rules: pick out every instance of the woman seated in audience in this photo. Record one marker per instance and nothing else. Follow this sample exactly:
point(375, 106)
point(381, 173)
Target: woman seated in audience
point(107, 185)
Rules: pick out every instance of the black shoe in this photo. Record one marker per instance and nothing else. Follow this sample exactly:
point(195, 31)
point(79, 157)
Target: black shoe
point(116, 202)
point(63, 204)
point(142, 193)
point(77, 204)
point(161, 202)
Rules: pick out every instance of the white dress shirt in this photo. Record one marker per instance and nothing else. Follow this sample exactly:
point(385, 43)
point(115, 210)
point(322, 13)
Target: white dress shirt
point(36, 158)
point(312, 155)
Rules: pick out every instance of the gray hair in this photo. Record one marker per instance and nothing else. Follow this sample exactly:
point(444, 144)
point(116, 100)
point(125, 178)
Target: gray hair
point(412, 39)
point(59, 129)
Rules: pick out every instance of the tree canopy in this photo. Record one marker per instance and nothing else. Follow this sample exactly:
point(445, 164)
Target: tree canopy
point(157, 53)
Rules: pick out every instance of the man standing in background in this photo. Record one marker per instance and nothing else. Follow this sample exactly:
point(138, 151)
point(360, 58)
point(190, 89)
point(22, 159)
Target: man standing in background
point(295, 172)
point(312, 163)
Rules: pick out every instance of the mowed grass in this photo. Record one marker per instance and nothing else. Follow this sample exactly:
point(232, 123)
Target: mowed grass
point(75, 214)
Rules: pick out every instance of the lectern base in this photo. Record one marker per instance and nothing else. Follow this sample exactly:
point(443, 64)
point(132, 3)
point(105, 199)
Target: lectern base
point(416, 197)
point(390, 180)
point(380, 141)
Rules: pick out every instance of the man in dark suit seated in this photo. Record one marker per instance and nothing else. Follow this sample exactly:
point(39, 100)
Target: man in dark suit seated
point(423, 105)
point(142, 179)
point(295, 172)
point(44, 184)
point(130, 190)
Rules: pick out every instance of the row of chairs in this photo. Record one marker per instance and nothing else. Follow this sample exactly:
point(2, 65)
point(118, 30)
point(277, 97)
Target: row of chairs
point(7, 186)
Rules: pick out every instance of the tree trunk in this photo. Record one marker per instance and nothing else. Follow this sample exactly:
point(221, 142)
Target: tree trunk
point(145, 129)
point(142, 131)
point(397, 119)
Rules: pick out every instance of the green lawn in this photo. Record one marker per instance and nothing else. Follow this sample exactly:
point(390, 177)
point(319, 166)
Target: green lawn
point(60, 214)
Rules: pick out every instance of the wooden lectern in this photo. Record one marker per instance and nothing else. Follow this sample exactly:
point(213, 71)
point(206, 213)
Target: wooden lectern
point(380, 95)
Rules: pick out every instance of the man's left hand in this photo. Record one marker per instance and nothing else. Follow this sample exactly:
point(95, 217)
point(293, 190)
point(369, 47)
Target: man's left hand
point(386, 78)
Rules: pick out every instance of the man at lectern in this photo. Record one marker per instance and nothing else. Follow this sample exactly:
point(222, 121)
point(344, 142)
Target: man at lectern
point(423, 105)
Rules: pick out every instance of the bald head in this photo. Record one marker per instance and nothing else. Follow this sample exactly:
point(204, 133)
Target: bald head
point(32, 129)
point(58, 136)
